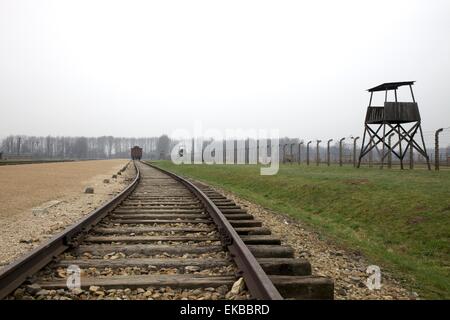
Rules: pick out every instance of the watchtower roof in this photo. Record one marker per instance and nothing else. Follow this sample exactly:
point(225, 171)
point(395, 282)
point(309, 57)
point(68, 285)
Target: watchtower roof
point(390, 86)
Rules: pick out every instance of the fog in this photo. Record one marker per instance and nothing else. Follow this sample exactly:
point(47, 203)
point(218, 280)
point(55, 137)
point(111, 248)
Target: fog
point(143, 68)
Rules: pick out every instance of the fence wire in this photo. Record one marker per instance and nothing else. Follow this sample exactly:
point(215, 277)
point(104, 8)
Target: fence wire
point(300, 152)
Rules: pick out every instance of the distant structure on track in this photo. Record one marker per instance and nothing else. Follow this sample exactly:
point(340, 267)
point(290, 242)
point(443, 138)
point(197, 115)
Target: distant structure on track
point(399, 118)
point(136, 153)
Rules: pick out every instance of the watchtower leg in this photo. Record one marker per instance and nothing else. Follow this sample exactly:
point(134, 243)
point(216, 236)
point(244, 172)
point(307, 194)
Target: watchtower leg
point(400, 146)
point(424, 148)
point(362, 147)
point(384, 142)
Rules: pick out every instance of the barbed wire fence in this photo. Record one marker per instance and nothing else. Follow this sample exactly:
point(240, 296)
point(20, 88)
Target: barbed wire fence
point(341, 151)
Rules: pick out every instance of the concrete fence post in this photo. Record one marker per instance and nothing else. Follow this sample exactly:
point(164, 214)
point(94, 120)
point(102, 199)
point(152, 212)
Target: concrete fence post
point(328, 151)
point(307, 152)
point(354, 150)
point(203, 149)
point(224, 148)
point(192, 151)
point(292, 154)
point(246, 151)
point(300, 152)
point(318, 152)
point(235, 152)
point(436, 148)
point(249, 151)
point(340, 151)
point(257, 151)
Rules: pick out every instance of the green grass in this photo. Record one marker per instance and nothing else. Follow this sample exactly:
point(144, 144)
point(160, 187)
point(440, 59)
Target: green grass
point(398, 219)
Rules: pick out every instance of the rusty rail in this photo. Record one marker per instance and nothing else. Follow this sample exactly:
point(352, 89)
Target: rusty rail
point(257, 281)
point(18, 271)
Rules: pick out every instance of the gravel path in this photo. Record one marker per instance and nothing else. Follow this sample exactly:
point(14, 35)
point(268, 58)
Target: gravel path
point(40, 200)
point(346, 267)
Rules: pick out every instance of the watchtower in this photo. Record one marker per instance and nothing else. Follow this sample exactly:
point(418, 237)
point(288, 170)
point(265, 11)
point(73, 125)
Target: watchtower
point(395, 117)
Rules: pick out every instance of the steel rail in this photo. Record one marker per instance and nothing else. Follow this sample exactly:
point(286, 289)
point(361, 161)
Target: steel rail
point(14, 274)
point(257, 281)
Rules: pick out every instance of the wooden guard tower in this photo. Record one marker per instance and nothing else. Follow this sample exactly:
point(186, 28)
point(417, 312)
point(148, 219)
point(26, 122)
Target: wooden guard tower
point(399, 118)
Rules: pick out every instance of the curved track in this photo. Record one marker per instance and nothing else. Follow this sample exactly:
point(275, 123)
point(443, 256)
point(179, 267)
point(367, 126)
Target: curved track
point(165, 238)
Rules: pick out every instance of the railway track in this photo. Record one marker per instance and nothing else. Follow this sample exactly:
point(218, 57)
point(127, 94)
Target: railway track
point(165, 238)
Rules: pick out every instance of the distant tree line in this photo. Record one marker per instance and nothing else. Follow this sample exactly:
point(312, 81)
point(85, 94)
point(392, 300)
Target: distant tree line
point(105, 147)
point(109, 147)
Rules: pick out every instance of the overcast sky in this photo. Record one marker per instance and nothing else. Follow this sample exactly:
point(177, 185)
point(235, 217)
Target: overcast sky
point(143, 68)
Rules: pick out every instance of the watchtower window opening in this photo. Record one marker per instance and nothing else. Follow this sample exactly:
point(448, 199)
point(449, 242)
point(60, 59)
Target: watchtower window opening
point(379, 98)
point(393, 109)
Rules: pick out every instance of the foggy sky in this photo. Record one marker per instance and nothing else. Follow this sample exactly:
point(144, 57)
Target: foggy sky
point(142, 68)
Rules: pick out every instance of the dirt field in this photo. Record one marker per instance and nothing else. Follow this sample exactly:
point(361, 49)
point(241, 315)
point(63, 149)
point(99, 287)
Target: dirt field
point(26, 186)
point(39, 200)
